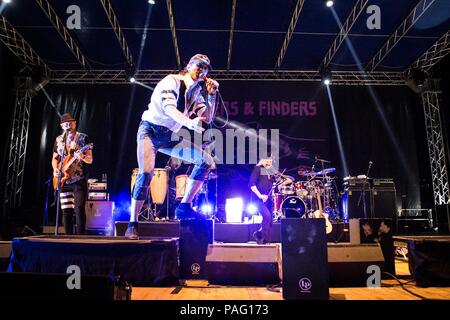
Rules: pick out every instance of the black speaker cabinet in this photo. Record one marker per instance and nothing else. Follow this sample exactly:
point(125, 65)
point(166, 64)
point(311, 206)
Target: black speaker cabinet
point(443, 218)
point(195, 235)
point(353, 203)
point(305, 264)
point(243, 264)
point(46, 286)
point(384, 203)
point(429, 260)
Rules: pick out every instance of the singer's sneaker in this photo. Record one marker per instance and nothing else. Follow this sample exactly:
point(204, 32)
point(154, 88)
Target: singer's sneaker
point(184, 211)
point(132, 231)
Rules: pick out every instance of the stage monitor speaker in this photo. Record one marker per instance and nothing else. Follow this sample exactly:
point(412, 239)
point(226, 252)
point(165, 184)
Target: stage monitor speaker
point(429, 261)
point(304, 252)
point(348, 263)
point(243, 264)
point(443, 218)
point(45, 286)
point(99, 214)
point(160, 229)
point(195, 235)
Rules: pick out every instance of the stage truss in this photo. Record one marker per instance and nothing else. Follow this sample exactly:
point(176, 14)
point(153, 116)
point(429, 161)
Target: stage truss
point(18, 143)
point(17, 44)
point(436, 146)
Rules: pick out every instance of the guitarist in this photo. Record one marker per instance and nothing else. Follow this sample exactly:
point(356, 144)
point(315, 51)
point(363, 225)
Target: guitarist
point(74, 191)
point(260, 182)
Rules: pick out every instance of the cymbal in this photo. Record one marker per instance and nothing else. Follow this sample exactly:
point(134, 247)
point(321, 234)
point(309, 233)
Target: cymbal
point(308, 173)
point(326, 171)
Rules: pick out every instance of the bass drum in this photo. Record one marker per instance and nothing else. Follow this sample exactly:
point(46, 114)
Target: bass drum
point(293, 207)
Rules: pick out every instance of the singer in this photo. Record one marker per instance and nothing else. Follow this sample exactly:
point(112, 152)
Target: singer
point(74, 191)
point(183, 99)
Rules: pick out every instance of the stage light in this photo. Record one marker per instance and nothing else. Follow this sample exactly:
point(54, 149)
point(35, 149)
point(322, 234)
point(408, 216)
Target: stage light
point(132, 79)
point(151, 1)
point(7, 1)
point(326, 76)
point(233, 209)
point(206, 209)
point(329, 3)
point(251, 209)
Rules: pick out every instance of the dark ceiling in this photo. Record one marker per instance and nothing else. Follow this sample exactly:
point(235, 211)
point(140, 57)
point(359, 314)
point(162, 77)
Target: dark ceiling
point(204, 27)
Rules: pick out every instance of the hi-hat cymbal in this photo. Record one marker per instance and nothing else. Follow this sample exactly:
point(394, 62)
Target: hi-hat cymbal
point(326, 171)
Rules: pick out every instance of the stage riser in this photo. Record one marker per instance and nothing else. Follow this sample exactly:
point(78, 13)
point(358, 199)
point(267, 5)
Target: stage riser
point(225, 232)
point(140, 263)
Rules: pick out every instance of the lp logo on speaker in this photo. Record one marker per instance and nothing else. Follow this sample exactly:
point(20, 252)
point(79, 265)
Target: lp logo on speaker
point(195, 268)
point(305, 284)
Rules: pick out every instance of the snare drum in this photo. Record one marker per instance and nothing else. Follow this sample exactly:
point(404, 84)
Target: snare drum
point(287, 189)
point(180, 182)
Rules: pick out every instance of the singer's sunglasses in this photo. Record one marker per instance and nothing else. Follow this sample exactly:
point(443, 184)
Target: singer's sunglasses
point(202, 66)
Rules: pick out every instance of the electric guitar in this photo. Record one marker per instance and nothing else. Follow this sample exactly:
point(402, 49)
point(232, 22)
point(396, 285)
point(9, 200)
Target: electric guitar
point(320, 214)
point(67, 162)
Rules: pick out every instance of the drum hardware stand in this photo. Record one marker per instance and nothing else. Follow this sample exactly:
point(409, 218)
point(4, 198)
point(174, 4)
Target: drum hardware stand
point(363, 191)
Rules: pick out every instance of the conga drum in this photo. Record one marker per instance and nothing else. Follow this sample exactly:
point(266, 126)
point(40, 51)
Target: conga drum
point(159, 185)
point(133, 178)
point(180, 182)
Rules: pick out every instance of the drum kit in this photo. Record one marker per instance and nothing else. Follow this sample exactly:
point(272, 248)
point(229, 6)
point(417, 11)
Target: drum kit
point(299, 199)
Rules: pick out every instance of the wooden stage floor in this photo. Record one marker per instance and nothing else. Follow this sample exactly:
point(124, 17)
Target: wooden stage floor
point(200, 290)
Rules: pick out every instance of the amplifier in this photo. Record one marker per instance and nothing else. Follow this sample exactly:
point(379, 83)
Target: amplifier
point(99, 214)
point(98, 186)
point(98, 196)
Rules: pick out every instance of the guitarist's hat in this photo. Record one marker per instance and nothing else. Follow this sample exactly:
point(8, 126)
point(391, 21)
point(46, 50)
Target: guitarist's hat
point(66, 117)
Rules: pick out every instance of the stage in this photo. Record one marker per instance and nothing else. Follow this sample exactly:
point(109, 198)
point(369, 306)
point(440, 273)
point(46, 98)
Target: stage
point(229, 271)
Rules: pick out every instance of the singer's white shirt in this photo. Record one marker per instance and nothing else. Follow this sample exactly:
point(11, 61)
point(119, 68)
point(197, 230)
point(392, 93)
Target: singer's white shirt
point(166, 93)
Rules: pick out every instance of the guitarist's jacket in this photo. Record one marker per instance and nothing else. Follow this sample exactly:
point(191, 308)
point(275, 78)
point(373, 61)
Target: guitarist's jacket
point(78, 170)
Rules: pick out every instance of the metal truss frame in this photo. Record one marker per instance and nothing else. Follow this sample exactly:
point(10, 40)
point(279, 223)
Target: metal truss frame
point(348, 24)
point(112, 17)
point(63, 32)
point(174, 33)
point(433, 55)
point(18, 143)
point(404, 27)
point(17, 44)
point(287, 39)
point(230, 40)
point(339, 77)
point(436, 146)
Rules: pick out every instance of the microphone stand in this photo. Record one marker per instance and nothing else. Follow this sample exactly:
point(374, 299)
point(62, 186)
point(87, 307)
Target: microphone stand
point(363, 191)
point(58, 181)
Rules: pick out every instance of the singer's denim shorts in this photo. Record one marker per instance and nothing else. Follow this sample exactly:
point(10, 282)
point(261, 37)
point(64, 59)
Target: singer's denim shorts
point(152, 138)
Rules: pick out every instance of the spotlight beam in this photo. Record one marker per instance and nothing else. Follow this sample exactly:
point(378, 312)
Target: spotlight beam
point(358, 8)
point(338, 134)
